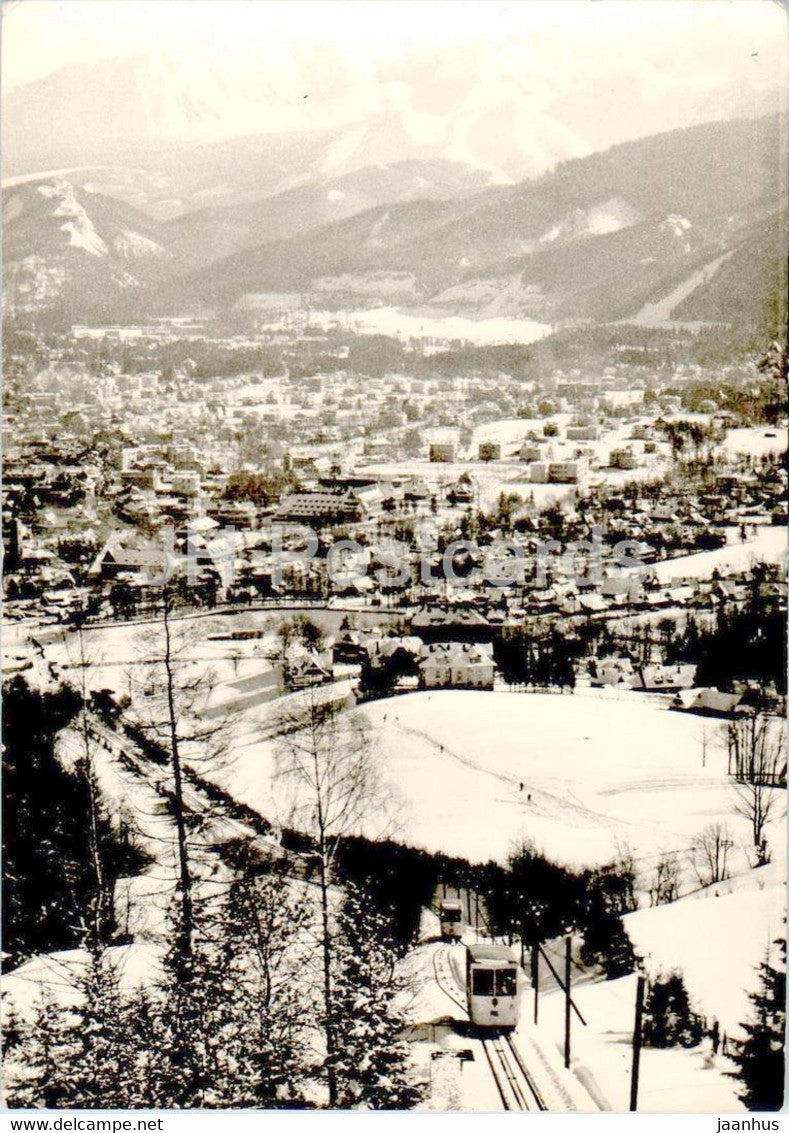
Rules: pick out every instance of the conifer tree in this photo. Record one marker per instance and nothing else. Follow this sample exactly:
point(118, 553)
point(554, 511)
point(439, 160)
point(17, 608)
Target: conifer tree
point(12, 1031)
point(228, 1028)
point(80, 1055)
point(185, 1014)
point(102, 1077)
point(669, 1017)
point(38, 1077)
point(262, 966)
point(371, 1061)
point(146, 1014)
point(760, 1056)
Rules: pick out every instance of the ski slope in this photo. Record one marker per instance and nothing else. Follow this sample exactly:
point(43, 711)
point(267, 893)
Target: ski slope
point(595, 772)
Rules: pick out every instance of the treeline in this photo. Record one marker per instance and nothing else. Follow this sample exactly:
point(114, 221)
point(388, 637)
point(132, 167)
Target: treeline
point(535, 898)
point(49, 882)
point(548, 659)
point(529, 897)
point(742, 644)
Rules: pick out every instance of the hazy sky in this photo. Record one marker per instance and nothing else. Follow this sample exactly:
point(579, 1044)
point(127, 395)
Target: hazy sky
point(510, 86)
point(699, 39)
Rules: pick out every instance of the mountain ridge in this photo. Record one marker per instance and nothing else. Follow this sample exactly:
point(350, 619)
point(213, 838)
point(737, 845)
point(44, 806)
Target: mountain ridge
point(173, 114)
point(675, 201)
point(595, 239)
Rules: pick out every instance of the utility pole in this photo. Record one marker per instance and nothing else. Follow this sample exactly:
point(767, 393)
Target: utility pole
point(637, 1044)
point(535, 977)
point(568, 946)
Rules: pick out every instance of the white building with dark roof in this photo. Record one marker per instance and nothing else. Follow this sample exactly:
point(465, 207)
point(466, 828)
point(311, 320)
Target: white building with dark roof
point(456, 665)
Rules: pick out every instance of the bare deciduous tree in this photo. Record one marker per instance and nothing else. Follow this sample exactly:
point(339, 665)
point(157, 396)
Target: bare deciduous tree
point(82, 659)
point(666, 880)
point(325, 770)
point(755, 749)
point(757, 802)
point(757, 759)
point(171, 708)
point(627, 870)
point(709, 853)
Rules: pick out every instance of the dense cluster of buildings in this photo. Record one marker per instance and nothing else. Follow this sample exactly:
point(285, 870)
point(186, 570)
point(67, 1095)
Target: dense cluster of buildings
point(458, 502)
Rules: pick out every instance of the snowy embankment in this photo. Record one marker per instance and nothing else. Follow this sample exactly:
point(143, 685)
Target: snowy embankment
point(671, 1081)
point(717, 939)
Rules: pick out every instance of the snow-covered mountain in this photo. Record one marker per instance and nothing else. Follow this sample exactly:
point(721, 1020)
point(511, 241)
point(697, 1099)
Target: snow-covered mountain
point(70, 251)
point(185, 123)
point(206, 235)
point(598, 238)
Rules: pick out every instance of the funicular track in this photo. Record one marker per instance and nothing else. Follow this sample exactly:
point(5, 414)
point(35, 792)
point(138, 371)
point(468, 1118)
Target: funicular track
point(514, 1084)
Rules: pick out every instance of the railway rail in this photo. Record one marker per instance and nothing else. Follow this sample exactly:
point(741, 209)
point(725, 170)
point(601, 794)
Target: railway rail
point(444, 978)
point(514, 1083)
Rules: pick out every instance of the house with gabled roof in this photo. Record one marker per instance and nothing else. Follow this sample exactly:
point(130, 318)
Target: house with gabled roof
point(664, 678)
point(456, 665)
point(710, 702)
point(320, 508)
point(458, 623)
point(306, 670)
point(118, 557)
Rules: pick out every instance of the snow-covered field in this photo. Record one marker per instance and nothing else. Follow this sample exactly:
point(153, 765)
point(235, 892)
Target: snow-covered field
point(769, 544)
point(488, 480)
point(595, 771)
point(415, 324)
point(512, 475)
point(756, 442)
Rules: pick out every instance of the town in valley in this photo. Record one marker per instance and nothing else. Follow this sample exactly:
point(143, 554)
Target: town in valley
point(394, 622)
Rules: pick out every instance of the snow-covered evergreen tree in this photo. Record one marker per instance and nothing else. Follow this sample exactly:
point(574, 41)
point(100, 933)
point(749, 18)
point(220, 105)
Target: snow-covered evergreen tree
point(39, 1076)
point(145, 1014)
point(760, 1056)
point(371, 1061)
point(101, 1077)
point(669, 1018)
point(81, 1056)
point(261, 967)
point(12, 1031)
point(185, 1013)
point(228, 1025)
